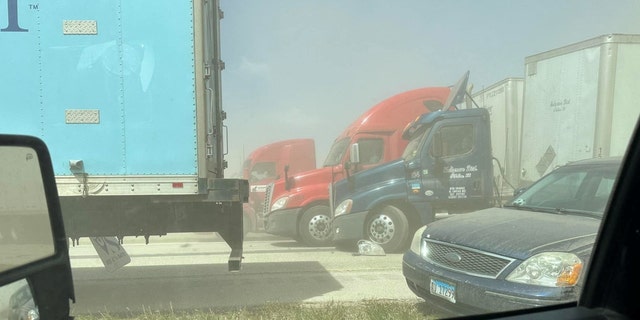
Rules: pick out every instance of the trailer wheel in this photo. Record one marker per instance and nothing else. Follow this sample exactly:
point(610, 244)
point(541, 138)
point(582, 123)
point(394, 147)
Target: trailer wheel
point(315, 226)
point(388, 226)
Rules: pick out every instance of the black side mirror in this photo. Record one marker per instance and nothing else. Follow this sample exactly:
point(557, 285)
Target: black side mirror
point(37, 249)
point(288, 183)
point(436, 145)
point(518, 191)
point(437, 153)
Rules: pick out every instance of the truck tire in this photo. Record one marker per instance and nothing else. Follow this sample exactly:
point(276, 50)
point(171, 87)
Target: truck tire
point(389, 227)
point(314, 228)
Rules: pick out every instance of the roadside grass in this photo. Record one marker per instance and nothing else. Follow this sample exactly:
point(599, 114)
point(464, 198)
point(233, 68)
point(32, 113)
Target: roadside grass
point(368, 309)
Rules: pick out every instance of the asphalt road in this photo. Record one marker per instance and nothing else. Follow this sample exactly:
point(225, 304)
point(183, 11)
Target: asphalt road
point(190, 272)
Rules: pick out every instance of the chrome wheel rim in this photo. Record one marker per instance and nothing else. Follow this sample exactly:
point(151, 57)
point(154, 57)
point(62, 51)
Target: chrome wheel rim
point(382, 229)
point(320, 227)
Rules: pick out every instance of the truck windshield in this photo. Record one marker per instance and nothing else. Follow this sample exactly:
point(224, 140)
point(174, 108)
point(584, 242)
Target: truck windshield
point(573, 190)
point(337, 152)
point(262, 170)
point(413, 147)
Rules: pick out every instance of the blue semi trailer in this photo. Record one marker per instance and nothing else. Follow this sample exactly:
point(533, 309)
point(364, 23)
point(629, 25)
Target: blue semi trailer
point(134, 122)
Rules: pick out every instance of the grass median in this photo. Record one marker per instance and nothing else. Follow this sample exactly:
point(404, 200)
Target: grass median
point(368, 309)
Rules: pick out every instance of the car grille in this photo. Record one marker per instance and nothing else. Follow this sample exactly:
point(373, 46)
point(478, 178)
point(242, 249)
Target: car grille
point(465, 260)
point(268, 194)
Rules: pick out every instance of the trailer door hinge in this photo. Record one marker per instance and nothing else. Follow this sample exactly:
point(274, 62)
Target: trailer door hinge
point(220, 64)
point(223, 115)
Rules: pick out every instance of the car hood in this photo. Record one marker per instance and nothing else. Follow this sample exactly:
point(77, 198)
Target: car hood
point(514, 233)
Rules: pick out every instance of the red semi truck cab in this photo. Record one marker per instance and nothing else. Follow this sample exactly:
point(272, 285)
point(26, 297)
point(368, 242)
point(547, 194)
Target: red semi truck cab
point(267, 164)
point(297, 205)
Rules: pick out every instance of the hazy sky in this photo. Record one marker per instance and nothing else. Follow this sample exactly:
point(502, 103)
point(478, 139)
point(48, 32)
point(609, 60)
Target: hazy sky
point(307, 69)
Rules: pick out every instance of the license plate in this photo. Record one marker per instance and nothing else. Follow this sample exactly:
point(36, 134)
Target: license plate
point(443, 290)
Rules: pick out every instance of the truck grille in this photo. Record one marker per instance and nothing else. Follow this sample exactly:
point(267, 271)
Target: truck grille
point(268, 195)
point(466, 260)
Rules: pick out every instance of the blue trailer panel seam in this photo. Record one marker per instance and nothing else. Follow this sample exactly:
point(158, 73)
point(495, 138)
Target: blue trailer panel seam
point(120, 44)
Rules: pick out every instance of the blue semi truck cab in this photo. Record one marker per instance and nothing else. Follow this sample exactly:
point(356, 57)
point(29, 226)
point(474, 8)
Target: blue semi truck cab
point(447, 166)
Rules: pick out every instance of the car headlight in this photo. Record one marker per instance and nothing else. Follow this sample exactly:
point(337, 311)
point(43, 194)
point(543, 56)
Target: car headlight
point(279, 204)
point(416, 243)
point(343, 208)
point(549, 269)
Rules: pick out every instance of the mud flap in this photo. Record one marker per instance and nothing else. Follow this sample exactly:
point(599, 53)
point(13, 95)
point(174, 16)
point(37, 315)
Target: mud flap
point(111, 252)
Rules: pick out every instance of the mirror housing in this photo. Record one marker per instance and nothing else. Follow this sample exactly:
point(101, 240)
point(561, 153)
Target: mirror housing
point(518, 191)
point(48, 272)
point(288, 183)
point(354, 154)
point(436, 145)
point(354, 159)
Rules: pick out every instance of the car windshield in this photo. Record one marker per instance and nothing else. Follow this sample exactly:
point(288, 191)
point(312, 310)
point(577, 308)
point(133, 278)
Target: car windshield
point(578, 189)
point(151, 111)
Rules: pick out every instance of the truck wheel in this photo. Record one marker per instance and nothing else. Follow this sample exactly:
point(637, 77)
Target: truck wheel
point(388, 227)
point(315, 226)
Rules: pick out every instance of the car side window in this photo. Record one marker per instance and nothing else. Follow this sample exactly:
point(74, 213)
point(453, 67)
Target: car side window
point(601, 195)
point(605, 186)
